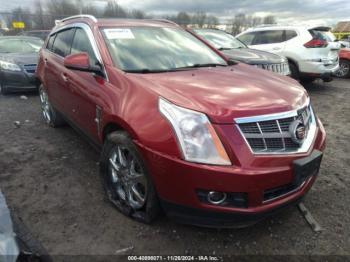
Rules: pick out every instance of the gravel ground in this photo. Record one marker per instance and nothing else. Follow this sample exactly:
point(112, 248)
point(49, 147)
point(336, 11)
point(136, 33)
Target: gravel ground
point(50, 179)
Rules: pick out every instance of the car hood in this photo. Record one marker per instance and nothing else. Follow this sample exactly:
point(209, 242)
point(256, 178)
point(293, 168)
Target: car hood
point(226, 93)
point(253, 56)
point(20, 58)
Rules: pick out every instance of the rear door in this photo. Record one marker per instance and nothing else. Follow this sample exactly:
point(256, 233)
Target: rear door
point(272, 41)
point(55, 71)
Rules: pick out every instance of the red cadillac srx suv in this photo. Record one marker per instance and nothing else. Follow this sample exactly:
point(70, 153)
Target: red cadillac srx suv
point(209, 141)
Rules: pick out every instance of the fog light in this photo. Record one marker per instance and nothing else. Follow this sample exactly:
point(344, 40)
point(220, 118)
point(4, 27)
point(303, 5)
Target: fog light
point(216, 198)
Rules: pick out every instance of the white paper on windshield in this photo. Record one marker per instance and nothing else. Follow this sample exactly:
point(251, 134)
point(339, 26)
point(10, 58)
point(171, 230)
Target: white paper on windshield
point(119, 33)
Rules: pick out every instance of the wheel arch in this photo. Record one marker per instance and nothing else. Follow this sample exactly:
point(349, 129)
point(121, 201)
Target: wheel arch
point(291, 60)
point(116, 125)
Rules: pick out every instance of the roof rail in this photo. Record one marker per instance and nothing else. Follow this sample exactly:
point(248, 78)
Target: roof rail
point(163, 20)
point(74, 17)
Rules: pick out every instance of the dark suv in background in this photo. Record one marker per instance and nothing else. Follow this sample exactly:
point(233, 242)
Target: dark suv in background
point(237, 50)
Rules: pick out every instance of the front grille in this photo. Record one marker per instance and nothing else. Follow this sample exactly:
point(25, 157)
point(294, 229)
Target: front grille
point(271, 134)
point(30, 68)
point(282, 68)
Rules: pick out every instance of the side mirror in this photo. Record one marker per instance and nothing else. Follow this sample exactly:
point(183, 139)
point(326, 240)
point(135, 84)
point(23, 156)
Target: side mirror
point(81, 62)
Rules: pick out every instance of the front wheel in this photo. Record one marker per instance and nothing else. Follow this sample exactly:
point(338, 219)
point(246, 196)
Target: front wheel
point(307, 80)
point(126, 181)
point(294, 71)
point(51, 116)
point(344, 69)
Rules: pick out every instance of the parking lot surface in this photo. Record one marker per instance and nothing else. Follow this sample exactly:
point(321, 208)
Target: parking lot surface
point(50, 179)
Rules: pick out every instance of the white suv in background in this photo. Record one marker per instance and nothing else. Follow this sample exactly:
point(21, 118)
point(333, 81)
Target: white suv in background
point(308, 51)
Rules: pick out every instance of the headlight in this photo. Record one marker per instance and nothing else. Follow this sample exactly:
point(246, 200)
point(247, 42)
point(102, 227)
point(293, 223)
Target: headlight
point(9, 66)
point(196, 136)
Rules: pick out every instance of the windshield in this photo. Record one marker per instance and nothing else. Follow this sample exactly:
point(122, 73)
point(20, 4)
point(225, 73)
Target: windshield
point(20, 45)
point(147, 49)
point(220, 40)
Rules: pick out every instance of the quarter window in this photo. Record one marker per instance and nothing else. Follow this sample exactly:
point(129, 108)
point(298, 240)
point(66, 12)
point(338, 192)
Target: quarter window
point(290, 34)
point(268, 37)
point(62, 43)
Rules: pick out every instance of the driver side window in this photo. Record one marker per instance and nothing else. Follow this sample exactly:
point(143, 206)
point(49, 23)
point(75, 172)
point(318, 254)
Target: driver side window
point(81, 43)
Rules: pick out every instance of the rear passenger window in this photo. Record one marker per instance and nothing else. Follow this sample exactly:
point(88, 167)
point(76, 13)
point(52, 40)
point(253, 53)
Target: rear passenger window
point(81, 43)
point(290, 34)
point(50, 42)
point(268, 37)
point(247, 38)
point(62, 43)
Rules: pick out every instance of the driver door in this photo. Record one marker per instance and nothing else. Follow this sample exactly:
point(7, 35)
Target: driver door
point(86, 89)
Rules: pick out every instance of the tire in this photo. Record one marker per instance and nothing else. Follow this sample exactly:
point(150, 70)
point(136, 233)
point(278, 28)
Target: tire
point(307, 80)
point(344, 69)
point(294, 71)
point(130, 165)
point(51, 116)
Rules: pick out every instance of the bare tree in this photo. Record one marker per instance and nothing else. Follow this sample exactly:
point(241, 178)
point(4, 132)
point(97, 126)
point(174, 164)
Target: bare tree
point(38, 16)
point(114, 10)
point(238, 23)
point(270, 19)
point(241, 22)
point(199, 19)
point(137, 14)
point(183, 18)
point(212, 21)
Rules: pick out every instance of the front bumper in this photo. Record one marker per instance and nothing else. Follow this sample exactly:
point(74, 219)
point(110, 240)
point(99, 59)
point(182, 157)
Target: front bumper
point(177, 183)
point(205, 218)
point(14, 81)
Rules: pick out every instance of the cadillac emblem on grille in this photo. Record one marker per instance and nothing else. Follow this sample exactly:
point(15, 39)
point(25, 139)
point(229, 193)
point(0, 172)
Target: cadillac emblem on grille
point(297, 131)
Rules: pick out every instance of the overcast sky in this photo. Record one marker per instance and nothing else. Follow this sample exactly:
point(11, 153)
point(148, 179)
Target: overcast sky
point(287, 11)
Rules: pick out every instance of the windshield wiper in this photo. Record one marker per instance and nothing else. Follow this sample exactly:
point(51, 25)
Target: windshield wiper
point(150, 71)
point(146, 71)
point(230, 48)
point(225, 48)
point(197, 66)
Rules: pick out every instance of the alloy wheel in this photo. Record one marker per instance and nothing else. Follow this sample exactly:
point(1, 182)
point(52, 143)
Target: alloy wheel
point(128, 180)
point(343, 70)
point(45, 106)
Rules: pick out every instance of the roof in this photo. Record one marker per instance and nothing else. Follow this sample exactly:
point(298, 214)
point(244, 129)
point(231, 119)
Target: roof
point(286, 27)
point(274, 27)
point(341, 27)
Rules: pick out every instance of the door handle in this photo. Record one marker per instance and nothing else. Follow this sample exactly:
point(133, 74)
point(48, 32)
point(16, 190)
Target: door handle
point(64, 77)
point(276, 48)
